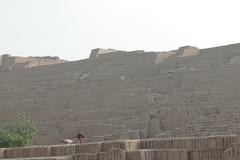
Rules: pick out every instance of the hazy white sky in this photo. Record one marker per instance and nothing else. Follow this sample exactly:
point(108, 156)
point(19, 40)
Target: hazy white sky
point(71, 28)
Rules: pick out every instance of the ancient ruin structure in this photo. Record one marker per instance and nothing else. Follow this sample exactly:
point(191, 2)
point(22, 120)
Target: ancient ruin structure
point(101, 52)
point(191, 148)
point(124, 96)
point(9, 63)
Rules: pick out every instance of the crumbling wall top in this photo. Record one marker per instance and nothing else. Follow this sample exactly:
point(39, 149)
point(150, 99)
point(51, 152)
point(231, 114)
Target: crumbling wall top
point(187, 51)
point(15, 62)
point(100, 51)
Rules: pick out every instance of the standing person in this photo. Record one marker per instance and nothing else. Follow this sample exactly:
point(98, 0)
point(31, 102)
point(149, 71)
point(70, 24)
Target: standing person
point(79, 136)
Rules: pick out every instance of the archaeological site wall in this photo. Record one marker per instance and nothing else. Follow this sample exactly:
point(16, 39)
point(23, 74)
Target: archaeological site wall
point(123, 95)
point(191, 148)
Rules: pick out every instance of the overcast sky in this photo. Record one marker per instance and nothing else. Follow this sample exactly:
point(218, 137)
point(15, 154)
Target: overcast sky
point(71, 28)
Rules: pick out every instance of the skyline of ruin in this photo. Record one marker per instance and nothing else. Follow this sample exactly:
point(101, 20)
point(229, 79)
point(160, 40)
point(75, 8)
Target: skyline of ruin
point(71, 28)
